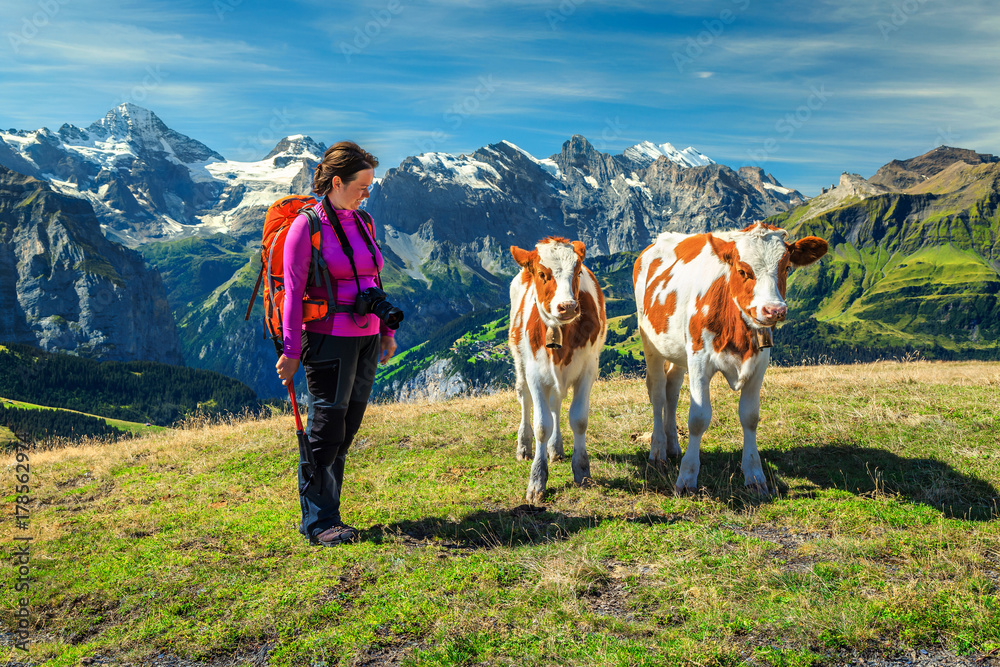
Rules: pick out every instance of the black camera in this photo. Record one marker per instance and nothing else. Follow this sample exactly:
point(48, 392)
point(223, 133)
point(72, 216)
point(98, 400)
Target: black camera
point(373, 301)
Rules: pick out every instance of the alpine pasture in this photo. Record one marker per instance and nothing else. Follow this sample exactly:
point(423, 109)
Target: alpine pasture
point(882, 538)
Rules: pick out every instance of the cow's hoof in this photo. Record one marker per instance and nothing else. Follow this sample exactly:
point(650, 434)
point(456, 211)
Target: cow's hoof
point(555, 457)
point(760, 490)
point(522, 455)
point(659, 465)
point(686, 486)
point(535, 496)
point(685, 490)
point(585, 481)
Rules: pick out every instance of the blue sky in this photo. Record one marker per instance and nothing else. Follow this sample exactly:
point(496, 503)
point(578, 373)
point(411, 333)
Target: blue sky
point(803, 89)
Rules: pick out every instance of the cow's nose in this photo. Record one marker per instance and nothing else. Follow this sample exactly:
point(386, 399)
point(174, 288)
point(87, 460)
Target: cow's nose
point(567, 307)
point(774, 313)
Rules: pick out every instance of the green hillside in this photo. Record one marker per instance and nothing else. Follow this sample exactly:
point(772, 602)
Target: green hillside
point(137, 391)
point(193, 268)
point(136, 428)
point(908, 270)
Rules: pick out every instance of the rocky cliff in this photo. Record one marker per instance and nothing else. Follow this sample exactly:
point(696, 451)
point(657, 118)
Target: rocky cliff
point(64, 286)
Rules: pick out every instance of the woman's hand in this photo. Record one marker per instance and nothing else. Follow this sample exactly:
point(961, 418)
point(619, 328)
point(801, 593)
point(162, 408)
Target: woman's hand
point(387, 348)
point(286, 368)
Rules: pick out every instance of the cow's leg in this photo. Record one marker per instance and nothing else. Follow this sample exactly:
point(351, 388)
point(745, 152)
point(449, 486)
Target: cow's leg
point(675, 378)
point(524, 431)
point(699, 417)
point(656, 387)
point(543, 430)
point(579, 412)
point(555, 445)
point(753, 472)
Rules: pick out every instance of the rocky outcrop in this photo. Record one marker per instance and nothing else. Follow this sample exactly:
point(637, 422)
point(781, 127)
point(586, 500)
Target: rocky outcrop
point(903, 174)
point(437, 382)
point(64, 286)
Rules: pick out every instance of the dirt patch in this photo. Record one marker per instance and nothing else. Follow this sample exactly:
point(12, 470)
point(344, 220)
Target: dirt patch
point(611, 600)
point(789, 544)
point(614, 598)
point(932, 657)
point(395, 653)
point(255, 656)
point(348, 588)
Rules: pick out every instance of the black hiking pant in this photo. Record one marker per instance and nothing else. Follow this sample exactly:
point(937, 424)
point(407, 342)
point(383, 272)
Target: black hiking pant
point(339, 371)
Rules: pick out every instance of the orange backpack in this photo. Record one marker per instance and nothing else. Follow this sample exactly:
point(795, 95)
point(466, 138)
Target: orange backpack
point(279, 218)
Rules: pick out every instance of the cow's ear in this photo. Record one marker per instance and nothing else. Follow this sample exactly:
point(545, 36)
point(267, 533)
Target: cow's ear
point(523, 257)
point(806, 251)
point(581, 249)
point(724, 250)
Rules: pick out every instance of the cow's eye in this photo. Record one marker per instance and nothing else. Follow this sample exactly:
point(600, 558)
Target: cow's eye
point(746, 275)
point(544, 277)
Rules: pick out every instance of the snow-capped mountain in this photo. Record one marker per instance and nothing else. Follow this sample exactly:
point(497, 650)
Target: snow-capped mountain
point(647, 152)
point(148, 182)
point(440, 209)
point(248, 188)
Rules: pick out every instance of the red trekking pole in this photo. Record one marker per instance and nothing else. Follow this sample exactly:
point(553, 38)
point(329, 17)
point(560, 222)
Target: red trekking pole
point(309, 468)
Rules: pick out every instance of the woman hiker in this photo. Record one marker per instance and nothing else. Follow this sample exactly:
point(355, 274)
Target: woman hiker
point(339, 353)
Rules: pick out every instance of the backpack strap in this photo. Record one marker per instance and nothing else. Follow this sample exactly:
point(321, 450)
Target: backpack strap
point(253, 297)
point(369, 222)
point(318, 264)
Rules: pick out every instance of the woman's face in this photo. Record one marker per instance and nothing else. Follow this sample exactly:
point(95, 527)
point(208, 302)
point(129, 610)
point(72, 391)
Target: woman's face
point(350, 195)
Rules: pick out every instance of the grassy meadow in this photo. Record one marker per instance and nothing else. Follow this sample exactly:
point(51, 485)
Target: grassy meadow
point(882, 539)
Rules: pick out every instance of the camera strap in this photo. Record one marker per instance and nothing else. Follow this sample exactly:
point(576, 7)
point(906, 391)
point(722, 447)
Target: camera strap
point(331, 215)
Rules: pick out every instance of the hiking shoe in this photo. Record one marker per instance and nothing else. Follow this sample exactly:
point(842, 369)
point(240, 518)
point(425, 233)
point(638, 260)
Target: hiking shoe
point(335, 535)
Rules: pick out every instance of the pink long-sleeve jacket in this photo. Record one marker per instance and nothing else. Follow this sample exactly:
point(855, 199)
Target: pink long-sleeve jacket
point(298, 250)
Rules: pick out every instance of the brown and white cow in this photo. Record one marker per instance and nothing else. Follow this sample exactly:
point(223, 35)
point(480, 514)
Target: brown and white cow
point(555, 298)
point(701, 301)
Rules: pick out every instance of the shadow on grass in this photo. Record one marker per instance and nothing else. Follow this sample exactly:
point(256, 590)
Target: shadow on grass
point(485, 529)
point(871, 472)
point(489, 529)
point(863, 471)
